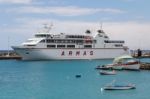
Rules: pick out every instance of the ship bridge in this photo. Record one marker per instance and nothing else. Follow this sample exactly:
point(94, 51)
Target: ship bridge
point(32, 41)
point(44, 35)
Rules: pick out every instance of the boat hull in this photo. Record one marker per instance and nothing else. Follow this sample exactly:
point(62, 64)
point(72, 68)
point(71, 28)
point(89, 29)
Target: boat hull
point(119, 88)
point(107, 72)
point(67, 54)
point(132, 67)
point(127, 67)
point(118, 67)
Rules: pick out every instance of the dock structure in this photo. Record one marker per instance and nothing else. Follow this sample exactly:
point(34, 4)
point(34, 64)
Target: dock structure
point(140, 53)
point(9, 55)
point(145, 66)
point(143, 56)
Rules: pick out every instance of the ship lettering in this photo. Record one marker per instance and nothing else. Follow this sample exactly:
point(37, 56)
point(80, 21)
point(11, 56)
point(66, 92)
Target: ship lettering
point(77, 53)
point(84, 53)
point(70, 53)
point(91, 52)
point(63, 53)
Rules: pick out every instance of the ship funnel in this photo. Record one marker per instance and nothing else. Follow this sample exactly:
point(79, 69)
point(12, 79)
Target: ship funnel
point(88, 32)
point(101, 28)
point(100, 31)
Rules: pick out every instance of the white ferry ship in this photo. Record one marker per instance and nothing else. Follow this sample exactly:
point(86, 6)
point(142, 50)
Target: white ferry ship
point(47, 46)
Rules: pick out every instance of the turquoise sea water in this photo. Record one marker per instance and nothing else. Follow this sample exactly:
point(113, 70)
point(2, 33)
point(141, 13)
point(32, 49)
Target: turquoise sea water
point(56, 80)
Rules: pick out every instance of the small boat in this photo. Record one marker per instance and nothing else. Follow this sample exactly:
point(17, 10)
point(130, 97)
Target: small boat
point(113, 86)
point(119, 87)
point(104, 67)
point(126, 62)
point(107, 72)
point(78, 76)
point(117, 67)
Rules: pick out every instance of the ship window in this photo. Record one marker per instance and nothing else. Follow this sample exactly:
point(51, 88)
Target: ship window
point(68, 41)
point(106, 41)
point(42, 41)
point(87, 46)
point(51, 46)
point(79, 41)
point(74, 36)
point(100, 31)
point(42, 35)
point(70, 46)
point(94, 41)
point(118, 45)
point(100, 35)
point(105, 36)
point(31, 45)
point(63, 41)
point(50, 41)
point(71, 41)
point(27, 52)
point(59, 41)
point(61, 46)
point(111, 41)
point(88, 41)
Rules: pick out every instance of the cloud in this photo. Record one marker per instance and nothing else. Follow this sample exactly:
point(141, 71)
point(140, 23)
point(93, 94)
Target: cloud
point(136, 34)
point(16, 1)
point(64, 11)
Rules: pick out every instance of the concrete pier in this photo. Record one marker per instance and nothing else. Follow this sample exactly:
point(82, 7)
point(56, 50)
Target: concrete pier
point(9, 55)
point(145, 66)
point(143, 54)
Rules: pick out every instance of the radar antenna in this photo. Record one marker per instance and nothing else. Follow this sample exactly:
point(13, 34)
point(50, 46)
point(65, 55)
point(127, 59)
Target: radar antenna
point(101, 28)
point(47, 28)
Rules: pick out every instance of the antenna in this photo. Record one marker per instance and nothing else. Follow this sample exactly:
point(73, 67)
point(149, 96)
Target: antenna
point(8, 47)
point(101, 25)
point(101, 28)
point(47, 28)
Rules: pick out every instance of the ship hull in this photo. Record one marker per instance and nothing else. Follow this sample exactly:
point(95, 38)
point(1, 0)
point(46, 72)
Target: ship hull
point(132, 67)
point(68, 54)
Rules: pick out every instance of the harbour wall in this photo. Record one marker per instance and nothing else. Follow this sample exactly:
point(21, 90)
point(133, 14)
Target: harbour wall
point(4, 54)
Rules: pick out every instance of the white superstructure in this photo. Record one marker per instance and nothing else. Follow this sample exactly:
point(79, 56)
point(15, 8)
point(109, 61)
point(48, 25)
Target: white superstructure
point(47, 46)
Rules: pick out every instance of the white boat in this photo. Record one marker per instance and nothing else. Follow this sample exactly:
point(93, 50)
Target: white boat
point(122, 62)
point(113, 86)
point(126, 62)
point(119, 87)
point(47, 46)
point(107, 72)
point(116, 67)
point(104, 67)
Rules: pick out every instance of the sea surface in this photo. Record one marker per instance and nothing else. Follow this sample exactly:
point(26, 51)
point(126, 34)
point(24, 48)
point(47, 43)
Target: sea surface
point(56, 80)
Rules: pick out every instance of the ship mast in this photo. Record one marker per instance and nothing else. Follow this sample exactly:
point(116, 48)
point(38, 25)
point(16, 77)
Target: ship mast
point(8, 47)
point(47, 28)
point(101, 26)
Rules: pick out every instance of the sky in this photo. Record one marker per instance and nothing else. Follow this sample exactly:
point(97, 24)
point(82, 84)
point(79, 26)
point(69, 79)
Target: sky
point(127, 20)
